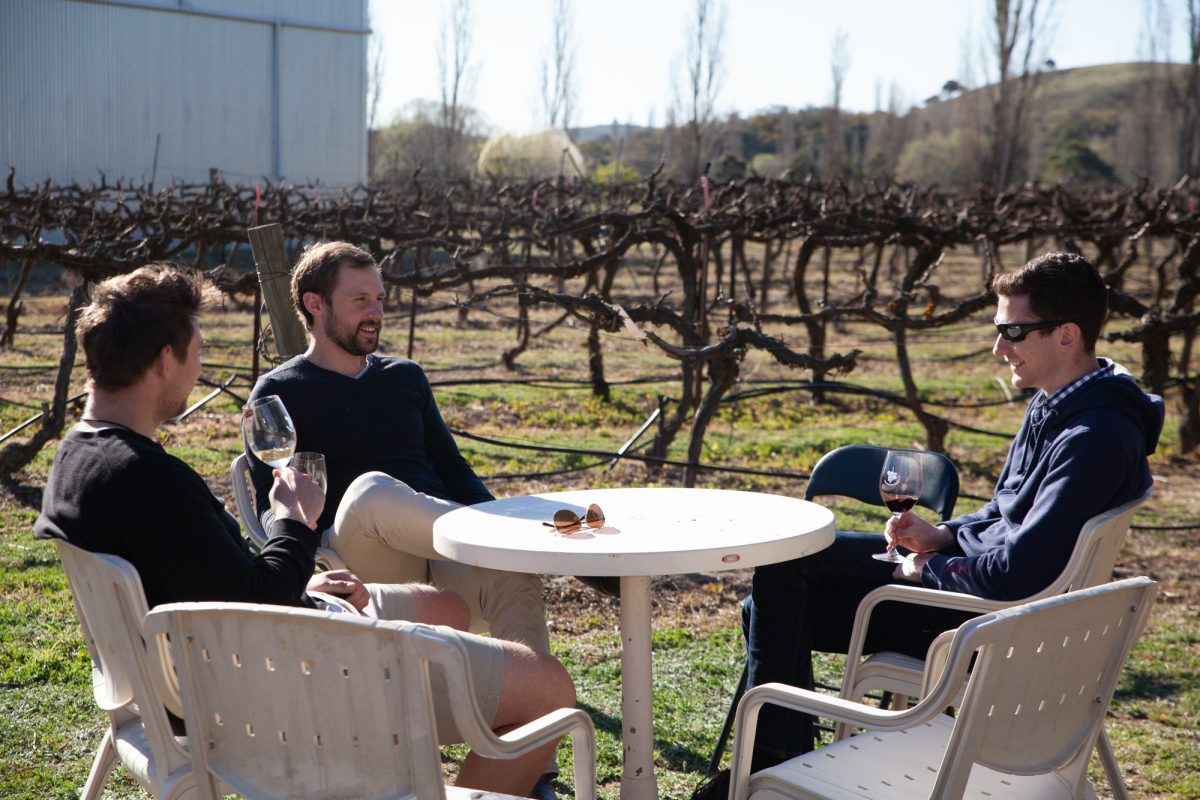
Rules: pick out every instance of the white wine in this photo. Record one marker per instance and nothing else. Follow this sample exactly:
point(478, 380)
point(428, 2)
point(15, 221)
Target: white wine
point(276, 456)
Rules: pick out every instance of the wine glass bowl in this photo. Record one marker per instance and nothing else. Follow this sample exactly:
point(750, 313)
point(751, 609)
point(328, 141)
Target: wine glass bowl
point(267, 431)
point(312, 465)
point(900, 488)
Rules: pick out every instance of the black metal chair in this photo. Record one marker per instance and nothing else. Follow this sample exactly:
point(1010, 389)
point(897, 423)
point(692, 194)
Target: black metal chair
point(853, 471)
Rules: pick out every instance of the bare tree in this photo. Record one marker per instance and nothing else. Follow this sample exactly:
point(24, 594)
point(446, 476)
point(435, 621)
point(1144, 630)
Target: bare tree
point(1019, 36)
point(456, 75)
point(375, 64)
point(839, 65)
point(786, 143)
point(1189, 125)
point(1141, 145)
point(558, 69)
point(703, 67)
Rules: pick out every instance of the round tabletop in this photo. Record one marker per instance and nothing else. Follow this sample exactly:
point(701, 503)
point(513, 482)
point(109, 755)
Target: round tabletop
point(647, 531)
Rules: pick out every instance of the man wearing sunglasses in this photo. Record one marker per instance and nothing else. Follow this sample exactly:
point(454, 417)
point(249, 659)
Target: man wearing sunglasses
point(1081, 450)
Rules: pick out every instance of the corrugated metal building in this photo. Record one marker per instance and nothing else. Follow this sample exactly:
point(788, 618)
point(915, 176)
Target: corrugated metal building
point(163, 90)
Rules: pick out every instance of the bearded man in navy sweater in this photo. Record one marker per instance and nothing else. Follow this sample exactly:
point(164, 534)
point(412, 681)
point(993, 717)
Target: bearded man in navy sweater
point(393, 467)
point(1080, 451)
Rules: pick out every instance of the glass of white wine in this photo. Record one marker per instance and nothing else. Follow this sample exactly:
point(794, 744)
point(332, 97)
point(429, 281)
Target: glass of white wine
point(900, 488)
point(312, 465)
point(267, 431)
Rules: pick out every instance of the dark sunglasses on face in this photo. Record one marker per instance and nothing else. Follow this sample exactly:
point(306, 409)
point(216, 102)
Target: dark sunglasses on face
point(1017, 331)
point(567, 521)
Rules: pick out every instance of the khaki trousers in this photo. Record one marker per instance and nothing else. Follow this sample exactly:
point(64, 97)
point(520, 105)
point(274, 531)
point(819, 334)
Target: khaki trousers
point(383, 530)
point(392, 601)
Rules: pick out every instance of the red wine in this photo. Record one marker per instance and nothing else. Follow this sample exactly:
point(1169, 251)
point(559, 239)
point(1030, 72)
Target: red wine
point(898, 502)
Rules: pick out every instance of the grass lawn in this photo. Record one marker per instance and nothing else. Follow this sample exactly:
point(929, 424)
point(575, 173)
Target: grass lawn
point(49, 727)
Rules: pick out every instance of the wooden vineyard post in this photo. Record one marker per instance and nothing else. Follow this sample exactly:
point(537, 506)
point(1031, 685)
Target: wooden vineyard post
point(270, 259)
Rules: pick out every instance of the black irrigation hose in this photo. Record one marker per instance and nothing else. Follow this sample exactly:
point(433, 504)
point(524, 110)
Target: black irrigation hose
point(4, 401)
point(711, 468)
point(839, 387)
point(224, 387)
point(1193, 526)
point(1186, 527)
point(607, 456)
point(548, 474)
point(980, 431)
point(71, 402)
point(28, 367)
point(578, 382)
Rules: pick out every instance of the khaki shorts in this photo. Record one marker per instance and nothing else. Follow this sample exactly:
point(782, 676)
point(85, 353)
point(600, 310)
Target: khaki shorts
point(486, 656)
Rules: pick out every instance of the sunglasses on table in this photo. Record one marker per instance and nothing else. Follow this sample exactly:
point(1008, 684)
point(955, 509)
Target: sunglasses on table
point(567, 521)
point(1017, 331)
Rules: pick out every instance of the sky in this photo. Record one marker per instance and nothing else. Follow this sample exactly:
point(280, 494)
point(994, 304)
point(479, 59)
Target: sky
point(777, 52)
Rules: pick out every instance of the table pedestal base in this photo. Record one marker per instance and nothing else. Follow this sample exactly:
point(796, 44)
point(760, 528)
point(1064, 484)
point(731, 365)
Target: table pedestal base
point(637, 718)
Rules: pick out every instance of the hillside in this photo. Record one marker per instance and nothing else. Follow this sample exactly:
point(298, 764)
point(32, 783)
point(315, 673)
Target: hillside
point(1100, 125)
point(1104, 124)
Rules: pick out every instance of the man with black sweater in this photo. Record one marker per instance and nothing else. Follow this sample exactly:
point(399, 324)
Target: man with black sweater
point(114, 489)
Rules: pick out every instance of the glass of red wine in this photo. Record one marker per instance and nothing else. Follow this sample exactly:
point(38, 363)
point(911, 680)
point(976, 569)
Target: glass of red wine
point(900, 487)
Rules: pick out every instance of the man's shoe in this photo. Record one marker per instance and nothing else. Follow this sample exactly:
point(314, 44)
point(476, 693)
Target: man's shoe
point(714, 786)
point(543, 789)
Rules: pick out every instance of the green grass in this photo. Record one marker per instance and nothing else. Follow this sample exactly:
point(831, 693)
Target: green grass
point(49, 726)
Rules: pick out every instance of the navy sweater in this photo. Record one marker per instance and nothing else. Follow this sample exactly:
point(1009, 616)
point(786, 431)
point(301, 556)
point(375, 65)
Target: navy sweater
point(1085, 457)
point(385, 420)
point(115, 491)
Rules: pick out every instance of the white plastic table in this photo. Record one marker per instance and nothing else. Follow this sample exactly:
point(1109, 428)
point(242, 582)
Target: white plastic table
point(647, 532)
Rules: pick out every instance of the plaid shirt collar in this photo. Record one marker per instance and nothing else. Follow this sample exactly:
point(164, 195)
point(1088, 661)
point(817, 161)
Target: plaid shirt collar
point(1053, 401)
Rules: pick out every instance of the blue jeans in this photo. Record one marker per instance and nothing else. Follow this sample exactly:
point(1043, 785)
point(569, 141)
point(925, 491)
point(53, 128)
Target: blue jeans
point(808, 604)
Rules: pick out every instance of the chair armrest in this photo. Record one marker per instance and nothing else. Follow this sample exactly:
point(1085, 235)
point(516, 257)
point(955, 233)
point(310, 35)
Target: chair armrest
point(917, 595)
point(441, 646)
point(840, 710)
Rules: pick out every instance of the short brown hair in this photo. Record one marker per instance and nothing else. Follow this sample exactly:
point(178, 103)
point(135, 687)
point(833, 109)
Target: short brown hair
point(317, 270)
point(132, 317)
point(1061, 286)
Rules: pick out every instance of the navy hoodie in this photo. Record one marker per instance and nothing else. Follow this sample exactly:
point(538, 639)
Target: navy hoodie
point(1084, 457)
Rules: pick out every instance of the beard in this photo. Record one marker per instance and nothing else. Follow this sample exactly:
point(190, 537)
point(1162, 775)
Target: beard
point(171, 406)
point(352, 339)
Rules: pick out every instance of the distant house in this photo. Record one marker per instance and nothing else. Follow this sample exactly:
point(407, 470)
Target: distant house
point(168, 90)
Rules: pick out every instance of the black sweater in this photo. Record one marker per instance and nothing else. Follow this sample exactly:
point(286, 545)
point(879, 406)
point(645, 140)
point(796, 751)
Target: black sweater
point(115, 491)
point(385, 420)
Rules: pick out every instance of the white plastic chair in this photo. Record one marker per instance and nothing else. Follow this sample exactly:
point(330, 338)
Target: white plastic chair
point(1033, 709)
point(110, 603)
point(293, 703)
point(245, 500)
point(1091, 564)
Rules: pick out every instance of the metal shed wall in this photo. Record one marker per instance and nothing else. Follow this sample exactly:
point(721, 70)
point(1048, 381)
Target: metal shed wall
point(254, 88)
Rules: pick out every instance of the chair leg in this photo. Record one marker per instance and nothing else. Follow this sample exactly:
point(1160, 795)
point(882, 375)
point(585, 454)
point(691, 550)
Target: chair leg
point(102, 765)
point(1112, 770)
point(715, 761)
